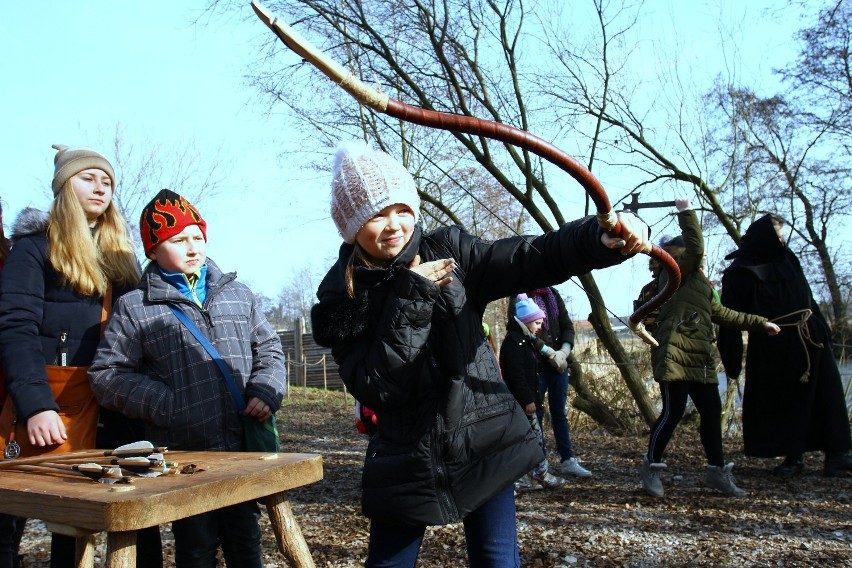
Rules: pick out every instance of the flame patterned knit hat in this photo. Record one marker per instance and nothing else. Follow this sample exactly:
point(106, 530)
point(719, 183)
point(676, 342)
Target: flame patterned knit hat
point(165, 216)
point(365, 181)
point(69, 162)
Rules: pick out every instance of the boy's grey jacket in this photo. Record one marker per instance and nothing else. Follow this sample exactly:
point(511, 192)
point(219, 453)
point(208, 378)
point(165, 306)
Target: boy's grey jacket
point(149, 366)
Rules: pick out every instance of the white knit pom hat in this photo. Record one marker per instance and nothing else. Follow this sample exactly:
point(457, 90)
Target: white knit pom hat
point(365, 181)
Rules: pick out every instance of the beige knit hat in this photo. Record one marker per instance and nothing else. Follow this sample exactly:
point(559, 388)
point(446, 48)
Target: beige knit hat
point(69, 162)
point(365, 181)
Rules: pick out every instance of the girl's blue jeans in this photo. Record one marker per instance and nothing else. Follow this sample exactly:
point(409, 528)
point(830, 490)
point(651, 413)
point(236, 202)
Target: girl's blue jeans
point(490, 533)
point(555, 384)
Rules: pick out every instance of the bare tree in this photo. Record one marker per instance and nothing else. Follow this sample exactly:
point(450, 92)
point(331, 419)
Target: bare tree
point(462, 56)
point(484, 58)
point(793, 153)
point(294, 301)
point(144, 167)
point(785, 153)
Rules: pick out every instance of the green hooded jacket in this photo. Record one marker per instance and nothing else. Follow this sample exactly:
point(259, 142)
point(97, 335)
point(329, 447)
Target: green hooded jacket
point(684, 328)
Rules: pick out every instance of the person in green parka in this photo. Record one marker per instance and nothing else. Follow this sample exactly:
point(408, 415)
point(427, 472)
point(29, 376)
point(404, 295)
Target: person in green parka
point(683, 363)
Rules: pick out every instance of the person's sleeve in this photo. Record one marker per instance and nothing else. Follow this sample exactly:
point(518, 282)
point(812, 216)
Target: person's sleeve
point(115, 375)
point(693, 241)
point(21, 314)
point(510, 310)
point(730, 340)
point(383, 367)
point(566, 326)
point(268, 380)
point(505, 267)
point(727, 317)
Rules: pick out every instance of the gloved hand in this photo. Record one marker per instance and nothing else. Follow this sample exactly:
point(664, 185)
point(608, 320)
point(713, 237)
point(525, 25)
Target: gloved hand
point(548, 353)
point(682, 204)
point(559, 360)
point(561, 356)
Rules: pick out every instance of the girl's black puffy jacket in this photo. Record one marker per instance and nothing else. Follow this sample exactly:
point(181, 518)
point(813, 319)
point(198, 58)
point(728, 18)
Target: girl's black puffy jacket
point(450, 434)
point(35, 308)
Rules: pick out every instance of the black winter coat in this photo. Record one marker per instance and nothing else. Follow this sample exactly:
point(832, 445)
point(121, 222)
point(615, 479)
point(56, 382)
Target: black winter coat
point(781, 414)
point(519, 365)
point(35, 308)
point(450, 434)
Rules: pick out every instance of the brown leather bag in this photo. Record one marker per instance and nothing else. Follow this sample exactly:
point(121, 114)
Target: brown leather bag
point(78, 409)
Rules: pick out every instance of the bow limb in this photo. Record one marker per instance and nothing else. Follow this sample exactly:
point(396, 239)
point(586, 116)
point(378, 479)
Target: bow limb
point(382, 103)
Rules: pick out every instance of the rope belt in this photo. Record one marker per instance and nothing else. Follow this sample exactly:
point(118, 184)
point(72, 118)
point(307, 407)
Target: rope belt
point(804, 335)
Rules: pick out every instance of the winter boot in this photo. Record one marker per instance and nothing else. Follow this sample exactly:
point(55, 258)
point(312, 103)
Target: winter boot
point(792, 465)
point(572, 467)
point(548, 480)
point(525, 483)
point(650, 474)
point(721, 479)
point(837, 464)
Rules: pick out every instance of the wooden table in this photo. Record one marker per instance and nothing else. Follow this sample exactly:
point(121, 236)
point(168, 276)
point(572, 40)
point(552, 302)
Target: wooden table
point(81, 507)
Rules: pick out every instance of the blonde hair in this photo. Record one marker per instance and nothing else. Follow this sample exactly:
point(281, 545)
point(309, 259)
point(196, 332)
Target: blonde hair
point(358, 256)
point(88, 260)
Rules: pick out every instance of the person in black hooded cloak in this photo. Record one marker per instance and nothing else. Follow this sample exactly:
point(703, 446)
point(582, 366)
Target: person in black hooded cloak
point(793, 401)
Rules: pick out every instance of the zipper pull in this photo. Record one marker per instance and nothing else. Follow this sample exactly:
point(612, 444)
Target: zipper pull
point(63, 349)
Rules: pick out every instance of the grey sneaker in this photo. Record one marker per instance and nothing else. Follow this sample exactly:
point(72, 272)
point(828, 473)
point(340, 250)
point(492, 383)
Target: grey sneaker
point(549, 480)
point(650, 474)
point(572, 467)
point(721, 479)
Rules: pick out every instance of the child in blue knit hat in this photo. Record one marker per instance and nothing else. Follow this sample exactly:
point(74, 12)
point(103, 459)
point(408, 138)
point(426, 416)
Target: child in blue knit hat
point(520, 371)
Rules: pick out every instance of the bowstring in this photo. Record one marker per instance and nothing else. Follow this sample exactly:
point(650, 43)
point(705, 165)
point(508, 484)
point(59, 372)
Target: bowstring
point(459, 185)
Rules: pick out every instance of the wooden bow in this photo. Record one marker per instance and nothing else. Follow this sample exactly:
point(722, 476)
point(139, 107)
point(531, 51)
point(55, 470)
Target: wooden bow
point(382, 103)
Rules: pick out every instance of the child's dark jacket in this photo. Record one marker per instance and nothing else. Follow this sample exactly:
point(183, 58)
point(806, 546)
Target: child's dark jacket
point(450, 434)
point(149, 366)
point(519, 365)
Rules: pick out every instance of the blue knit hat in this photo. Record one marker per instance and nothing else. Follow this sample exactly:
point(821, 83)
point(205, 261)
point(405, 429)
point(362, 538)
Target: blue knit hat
point(527, 310)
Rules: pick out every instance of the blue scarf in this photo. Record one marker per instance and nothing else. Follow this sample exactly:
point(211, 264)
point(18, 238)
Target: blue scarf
point(193, 286)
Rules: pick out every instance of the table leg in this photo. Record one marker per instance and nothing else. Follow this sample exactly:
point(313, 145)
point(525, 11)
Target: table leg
point(121, 549)
point(289, 536)
point(84, 540)
point(85, 554)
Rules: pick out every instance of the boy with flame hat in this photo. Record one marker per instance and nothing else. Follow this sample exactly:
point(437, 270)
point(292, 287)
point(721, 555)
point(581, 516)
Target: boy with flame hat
point(151, 366)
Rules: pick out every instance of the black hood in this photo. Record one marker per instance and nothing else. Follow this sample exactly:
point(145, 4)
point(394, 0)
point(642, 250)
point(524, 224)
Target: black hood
point(760, 243)
point(337, 317)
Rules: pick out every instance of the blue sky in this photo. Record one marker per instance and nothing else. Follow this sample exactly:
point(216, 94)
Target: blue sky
point(74, 70)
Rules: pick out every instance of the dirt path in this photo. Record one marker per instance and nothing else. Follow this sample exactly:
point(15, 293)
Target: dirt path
point(602, 521)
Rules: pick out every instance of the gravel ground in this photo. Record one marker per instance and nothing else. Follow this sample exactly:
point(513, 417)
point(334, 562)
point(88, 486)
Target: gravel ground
point(605, 520)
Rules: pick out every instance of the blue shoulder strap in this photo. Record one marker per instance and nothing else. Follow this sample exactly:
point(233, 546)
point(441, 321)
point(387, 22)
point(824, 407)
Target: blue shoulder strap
point(229, 379)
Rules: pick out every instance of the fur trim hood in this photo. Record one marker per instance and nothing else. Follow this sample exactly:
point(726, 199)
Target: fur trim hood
point(30, 221)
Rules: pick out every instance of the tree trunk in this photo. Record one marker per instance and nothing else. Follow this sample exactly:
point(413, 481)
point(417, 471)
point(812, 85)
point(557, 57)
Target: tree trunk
point(600, 322)
point(586, 402)
point(728, 410)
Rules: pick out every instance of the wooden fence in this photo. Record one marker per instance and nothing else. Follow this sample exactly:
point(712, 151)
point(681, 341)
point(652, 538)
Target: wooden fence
point(308, 364)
